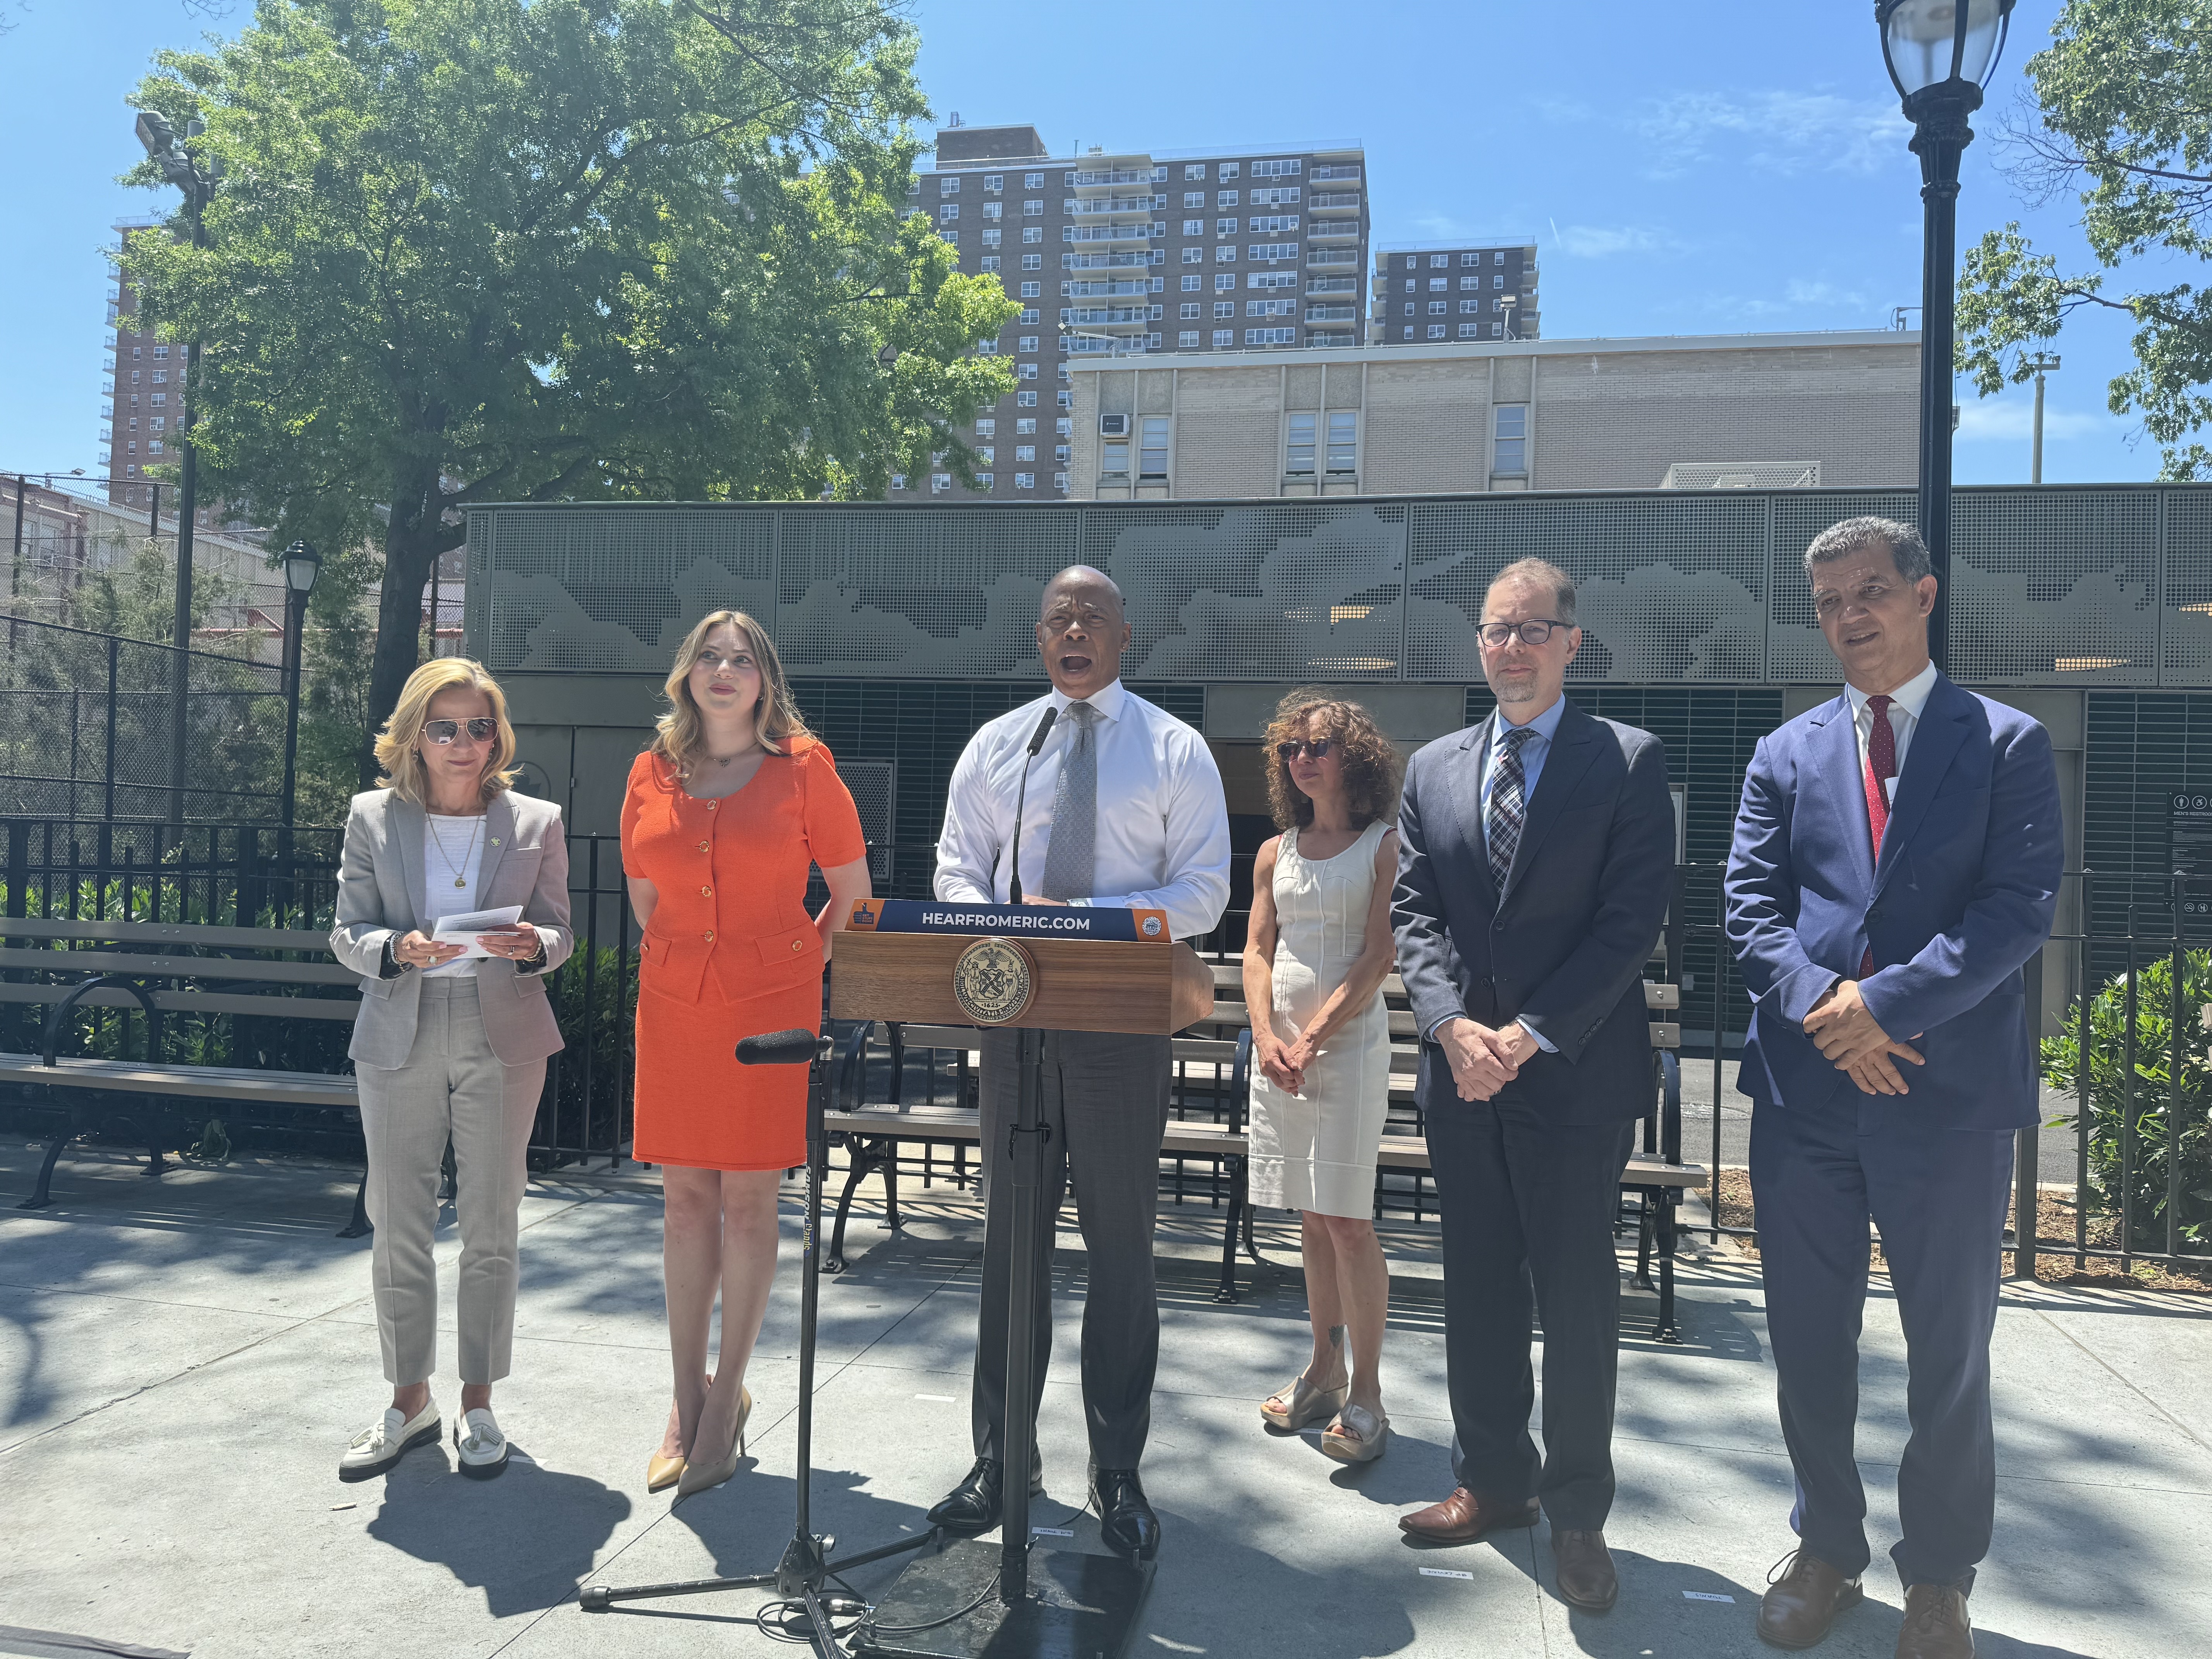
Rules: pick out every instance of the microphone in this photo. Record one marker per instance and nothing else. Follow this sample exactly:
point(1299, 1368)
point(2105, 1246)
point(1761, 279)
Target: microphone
point(1022, 800)
point(793, 1048)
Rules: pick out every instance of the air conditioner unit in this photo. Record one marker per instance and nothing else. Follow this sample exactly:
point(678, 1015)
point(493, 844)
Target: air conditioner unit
point(1113, 425)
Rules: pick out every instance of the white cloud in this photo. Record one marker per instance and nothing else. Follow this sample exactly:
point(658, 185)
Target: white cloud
point(1608, 241)
point(1784, 133)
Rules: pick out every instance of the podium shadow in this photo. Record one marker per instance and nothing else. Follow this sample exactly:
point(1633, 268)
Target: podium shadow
point(525, 1539)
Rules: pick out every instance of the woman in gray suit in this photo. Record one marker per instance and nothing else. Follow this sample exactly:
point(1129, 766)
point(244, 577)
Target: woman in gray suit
point(447, 1044)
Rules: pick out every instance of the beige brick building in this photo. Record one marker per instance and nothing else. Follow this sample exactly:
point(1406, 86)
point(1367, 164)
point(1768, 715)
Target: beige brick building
point(1692, 411)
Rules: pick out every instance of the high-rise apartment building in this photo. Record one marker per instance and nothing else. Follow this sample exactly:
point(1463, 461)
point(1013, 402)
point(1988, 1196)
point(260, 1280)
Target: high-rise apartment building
point(142, 396)
point(1120, 252)
point(1485, 291)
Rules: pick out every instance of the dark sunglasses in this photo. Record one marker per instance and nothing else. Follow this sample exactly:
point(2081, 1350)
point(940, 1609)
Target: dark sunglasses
point(442, 733)
point(1317, 747)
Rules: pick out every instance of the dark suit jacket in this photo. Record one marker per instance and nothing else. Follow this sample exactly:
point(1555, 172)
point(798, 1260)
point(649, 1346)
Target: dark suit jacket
point(1563, 948)
point(1963, 897)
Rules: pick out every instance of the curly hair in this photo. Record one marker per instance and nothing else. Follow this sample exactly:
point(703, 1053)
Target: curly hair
point(1371, 765)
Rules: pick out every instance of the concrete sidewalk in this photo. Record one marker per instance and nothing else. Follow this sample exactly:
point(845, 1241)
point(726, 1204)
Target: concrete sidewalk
point(181, 1362)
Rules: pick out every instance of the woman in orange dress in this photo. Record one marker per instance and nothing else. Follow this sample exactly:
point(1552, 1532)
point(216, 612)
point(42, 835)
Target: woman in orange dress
point(725, 812)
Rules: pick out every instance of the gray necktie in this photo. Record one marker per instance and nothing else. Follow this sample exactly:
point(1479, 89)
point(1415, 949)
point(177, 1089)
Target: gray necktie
point(1069, 861)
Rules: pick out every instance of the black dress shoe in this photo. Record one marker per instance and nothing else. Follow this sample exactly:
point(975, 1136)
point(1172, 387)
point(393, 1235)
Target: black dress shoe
point(972, 1506)
point(1125, 1520)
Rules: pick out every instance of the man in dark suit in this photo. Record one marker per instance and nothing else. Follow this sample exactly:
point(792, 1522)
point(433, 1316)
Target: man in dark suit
point(1533, 878)
point(1897, 860)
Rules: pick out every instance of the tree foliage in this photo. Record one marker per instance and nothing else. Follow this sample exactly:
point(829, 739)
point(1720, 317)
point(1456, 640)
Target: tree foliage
point(471, 251)
point(2120, 116)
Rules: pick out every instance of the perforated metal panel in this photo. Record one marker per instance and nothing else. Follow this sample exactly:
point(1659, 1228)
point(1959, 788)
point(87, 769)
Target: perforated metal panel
point(1796, 654)
point(1668, 587)
point(2055, 587)
point(2186, 618)
point(1289, 592)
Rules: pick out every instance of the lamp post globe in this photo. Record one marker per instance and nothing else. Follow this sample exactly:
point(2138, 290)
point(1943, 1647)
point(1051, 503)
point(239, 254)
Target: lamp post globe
point(1940, 55)
point(301, 565)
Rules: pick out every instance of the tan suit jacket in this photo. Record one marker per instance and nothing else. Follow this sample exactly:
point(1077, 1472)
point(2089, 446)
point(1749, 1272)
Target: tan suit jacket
point(381, 898)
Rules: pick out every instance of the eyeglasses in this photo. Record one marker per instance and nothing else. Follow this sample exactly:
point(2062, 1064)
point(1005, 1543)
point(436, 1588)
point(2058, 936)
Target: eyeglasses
point(1317, 747)
point(1497, 635)
point(442, 733)
point(715, 662)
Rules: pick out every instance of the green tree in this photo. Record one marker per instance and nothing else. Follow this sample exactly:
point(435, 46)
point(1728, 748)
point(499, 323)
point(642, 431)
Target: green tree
point(2121, 118)
point(469, 251)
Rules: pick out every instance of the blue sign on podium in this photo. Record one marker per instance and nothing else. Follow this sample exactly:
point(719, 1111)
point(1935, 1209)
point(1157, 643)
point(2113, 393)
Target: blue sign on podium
point(1078, 921)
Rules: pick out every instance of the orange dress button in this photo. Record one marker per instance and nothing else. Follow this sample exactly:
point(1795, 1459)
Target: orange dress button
point(712, 804)
point(704, 848)
point(710, 936)
point(706, 892)
point(795, 943)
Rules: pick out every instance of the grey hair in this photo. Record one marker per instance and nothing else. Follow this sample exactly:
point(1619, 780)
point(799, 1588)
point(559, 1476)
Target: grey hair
point(1906, 548)
point(1541, 573)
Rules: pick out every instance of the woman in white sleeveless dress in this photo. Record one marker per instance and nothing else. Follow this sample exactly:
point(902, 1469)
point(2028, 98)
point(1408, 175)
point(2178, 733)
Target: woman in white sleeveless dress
point(1315, 955)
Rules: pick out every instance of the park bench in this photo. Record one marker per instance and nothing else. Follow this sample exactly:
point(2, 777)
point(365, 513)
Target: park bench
point(163, 968)
point(1214, 1057)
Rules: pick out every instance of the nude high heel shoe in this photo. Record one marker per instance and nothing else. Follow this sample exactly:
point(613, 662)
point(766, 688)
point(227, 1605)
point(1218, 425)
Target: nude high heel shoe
point(697, 1479)
point(662, 1470)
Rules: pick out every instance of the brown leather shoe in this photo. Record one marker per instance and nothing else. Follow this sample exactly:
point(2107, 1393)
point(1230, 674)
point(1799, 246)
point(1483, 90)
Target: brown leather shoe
point(1801, 1605)
point(1936, 1623)
point(1585, 1569)
point(1464, 1517)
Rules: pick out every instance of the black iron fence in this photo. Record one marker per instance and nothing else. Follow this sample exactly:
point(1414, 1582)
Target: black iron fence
point(2120, 1002)
point(87, 732)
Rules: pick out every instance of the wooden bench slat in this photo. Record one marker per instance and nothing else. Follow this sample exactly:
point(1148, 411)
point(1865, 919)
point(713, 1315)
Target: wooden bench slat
point(164, 932)
point(206, 1082)
point(111, 962)
point(196, 1002)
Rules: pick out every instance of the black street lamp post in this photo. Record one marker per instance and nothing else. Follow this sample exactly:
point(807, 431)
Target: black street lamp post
point(166, 147)
point(301, 564)
point(1940, 54)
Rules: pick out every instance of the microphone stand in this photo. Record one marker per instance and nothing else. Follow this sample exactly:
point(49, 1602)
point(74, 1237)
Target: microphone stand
point(1022, 800)
point(802, 1575)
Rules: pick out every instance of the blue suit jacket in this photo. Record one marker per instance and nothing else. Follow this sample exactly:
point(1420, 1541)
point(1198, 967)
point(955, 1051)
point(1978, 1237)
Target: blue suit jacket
point(1563, 947)
point(1962, 897)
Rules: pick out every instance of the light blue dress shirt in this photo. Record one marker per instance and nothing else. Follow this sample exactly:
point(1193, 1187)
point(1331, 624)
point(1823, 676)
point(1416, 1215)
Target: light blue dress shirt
point(1544, 727)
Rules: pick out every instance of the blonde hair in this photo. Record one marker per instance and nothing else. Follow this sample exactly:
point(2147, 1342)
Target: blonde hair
point(404, 775)
point(679, 736)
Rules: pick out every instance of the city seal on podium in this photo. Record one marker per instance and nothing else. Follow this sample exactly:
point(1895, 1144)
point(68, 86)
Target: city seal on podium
point(993, 981)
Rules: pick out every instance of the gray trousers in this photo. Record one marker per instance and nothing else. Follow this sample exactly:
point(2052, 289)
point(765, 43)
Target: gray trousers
point(453, 1086)
point(1105, 1102)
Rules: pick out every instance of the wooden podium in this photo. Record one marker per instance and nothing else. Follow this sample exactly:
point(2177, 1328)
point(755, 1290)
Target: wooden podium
point(968, 1600)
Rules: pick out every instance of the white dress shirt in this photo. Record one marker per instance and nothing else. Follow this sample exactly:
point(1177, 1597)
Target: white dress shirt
point(1162, 836)
point(1904, 706)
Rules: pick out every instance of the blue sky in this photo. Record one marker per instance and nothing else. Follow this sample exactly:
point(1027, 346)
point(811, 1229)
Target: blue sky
point(1684, 171)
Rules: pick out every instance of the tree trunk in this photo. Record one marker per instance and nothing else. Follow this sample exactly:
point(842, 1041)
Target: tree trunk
point(412, 542)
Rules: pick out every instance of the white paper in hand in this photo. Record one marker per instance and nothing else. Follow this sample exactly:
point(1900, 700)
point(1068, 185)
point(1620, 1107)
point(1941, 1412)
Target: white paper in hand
point(466, 929)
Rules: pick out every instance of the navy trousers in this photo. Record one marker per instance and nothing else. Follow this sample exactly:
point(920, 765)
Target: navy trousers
point(1528, 1209)
point(1939, 1196)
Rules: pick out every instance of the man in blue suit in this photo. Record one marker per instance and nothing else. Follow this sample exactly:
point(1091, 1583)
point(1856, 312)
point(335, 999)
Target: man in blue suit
point(1897, 860)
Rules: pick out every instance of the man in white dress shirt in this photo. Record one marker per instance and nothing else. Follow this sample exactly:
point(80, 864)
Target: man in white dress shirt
point(1124, 808)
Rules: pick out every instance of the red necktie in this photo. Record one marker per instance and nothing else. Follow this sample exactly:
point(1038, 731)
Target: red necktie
point(1880, 768)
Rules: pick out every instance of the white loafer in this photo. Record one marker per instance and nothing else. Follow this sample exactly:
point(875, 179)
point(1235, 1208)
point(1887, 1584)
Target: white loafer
point(375, 1450)
point(483, 1447)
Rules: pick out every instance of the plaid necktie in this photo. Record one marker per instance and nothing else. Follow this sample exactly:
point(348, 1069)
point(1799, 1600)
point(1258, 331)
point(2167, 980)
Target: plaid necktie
point(1071, 859)
point(1509, 806)
point(1880, 768)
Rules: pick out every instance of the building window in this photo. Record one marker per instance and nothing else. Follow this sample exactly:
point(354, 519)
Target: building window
point(159, 351)
point(1409, 330)
point(1271, 279)
point(1060, 453)
point(1224, 308)
point(1470, 258)
point(1190, 310)
point(1467, 282)
point(1062, 426)
point(1225, 336)
point(1031, 291)
point(899, 481)
point(1272, 250)
point(1028, 371)
point(986, 347)
point(1187, 340)
point(1409, 308)
point(1025, 453)
point(1510, 456)
point(1033, 262)
point(994, 181)
point(1033, 208)
point(1032, 181)
point(993, 209)
point(157, 422)
point(991, 238)
point(1025, 481)
point(134, 469)
point(1032, 234)
point(1225, 254)
point(1438, 261)
point(158, 398)
point(1411, 285)
point(1026, 342)
point(1194, 227)
point(1470, 306)
point(948, 186)
point(1025, 400)
point(1497, 282)
point(1025, 426)
point(1195, 170)
point(1438, 308)
point(1191, 284)
point(1114, 458)
point(1436, 330)
point(1274, 224)
point(1438, 284)
point(1064, 399)
point(1192, 256)
point(1152, 455)
point(1298, 445)
point(1225, 227)
point(1344, 440)
point(1060, 481)
point(1193, 198)
point(1497, 258)
point(986, 481)
point(1498, 330)
point(1224, 280)
point(988, 262)
point(1230, 169)
point(1266, 337)
point(1470, 330)
point(1271, 308)
point(949, 212)
point(1225, 198)
point(986, 453)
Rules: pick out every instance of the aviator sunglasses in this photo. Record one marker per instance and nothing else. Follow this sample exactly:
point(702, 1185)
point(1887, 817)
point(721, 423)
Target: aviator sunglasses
point(1317, 747)
point(442, 733)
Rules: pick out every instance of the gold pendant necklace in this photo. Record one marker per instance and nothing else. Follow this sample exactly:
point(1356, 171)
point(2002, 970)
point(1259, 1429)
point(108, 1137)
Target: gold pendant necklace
point(460, 876)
